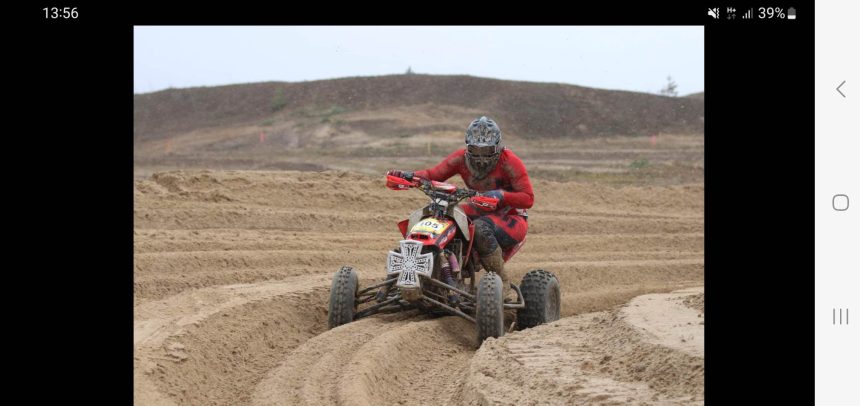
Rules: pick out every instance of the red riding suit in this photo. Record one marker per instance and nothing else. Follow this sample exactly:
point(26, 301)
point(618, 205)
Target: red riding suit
point(508, 222)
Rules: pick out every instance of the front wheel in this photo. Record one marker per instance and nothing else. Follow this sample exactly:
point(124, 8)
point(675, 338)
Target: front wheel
point(341, 303)
point(542, 295)
point(489, 312)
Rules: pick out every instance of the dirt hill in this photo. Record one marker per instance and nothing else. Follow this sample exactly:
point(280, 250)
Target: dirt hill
point(527, 109)
point(370, 123)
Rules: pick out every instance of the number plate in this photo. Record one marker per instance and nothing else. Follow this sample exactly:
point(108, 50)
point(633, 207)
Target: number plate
point(430, 225)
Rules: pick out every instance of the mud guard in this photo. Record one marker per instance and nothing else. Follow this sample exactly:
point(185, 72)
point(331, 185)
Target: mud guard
point(462, 222)
point(416, 216)
point(468, 254)
point(403, 227)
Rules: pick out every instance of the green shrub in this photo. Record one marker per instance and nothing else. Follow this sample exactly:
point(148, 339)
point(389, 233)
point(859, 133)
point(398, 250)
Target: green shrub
point(639, 164)
point(279, 100)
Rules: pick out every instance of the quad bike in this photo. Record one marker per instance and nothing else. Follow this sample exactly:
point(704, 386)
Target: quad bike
point(434, 269)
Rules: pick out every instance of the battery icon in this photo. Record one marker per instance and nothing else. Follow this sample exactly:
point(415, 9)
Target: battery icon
point(791, 13)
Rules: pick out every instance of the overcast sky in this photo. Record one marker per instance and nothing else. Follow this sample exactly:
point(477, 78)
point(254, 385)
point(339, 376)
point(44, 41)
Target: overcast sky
point(624, 58)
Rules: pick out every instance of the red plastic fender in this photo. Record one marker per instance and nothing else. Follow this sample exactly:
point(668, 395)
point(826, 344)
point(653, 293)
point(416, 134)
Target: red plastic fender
point(443, 187)
point(468, 254)
point(402, 226)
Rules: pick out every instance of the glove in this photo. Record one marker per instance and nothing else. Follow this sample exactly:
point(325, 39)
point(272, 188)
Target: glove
point(497, 193)
point(486, 203)
point(401, 174)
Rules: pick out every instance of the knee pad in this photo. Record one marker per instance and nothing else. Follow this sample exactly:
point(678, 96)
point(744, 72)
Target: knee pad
point(485, 236)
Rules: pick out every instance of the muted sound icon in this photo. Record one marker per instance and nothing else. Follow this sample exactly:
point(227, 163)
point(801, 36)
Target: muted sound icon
point(714, 12)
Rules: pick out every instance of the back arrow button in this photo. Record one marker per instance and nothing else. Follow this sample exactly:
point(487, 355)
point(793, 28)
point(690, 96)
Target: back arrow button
point(837, 88)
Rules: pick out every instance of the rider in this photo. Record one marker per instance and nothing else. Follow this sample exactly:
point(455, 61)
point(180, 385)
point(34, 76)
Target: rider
point(493, 170)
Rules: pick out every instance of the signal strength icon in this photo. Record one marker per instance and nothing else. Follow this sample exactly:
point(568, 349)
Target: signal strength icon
point(748, 15)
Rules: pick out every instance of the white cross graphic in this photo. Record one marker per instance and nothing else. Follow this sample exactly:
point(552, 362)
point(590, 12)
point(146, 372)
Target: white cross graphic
point(409, 262)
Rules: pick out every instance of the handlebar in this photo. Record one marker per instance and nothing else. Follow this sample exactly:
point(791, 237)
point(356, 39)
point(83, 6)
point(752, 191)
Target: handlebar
point(436, 189)
point(442, 191)
point(431, 188)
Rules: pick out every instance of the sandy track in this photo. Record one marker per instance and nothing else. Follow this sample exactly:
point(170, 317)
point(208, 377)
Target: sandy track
point(627, 355)
point(192, 342)
point(391, 360)
point(232, 272)
point(661, 320)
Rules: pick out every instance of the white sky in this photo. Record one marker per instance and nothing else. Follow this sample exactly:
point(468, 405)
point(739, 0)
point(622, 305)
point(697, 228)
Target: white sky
point(623, 58)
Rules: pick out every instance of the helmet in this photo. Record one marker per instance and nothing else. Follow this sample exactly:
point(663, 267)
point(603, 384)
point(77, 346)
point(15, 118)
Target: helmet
point(483, 146)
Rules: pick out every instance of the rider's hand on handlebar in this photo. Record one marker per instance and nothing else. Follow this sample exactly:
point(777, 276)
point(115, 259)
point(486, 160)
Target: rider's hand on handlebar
point(485, 203)
point(496, 194)
point(401, 174)
point(489, 200)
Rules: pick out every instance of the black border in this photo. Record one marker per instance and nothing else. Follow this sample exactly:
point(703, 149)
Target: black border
point(759, 211)
point(758, 203)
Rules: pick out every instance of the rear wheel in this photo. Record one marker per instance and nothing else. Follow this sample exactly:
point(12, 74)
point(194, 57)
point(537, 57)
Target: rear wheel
point(489, 314)
point(542, 295)
point(341, 303)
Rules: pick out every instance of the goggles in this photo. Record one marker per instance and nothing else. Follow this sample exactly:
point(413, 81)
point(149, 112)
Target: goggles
point(486, 151)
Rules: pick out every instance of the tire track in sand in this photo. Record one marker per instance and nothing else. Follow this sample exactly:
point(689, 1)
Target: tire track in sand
point(184, 353)
point(394, 359)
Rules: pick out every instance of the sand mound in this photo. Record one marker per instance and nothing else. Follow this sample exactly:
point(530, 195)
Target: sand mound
point(621, 356)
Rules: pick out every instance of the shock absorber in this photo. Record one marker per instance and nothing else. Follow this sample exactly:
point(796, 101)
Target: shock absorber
point(449, 261)
point(452, 262)
point(450, 266)
point(447, 275)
